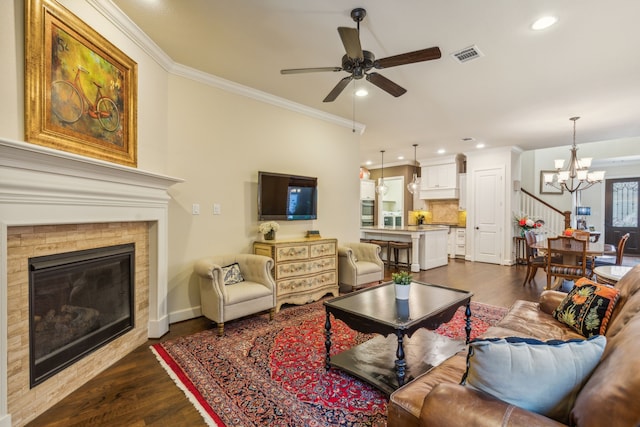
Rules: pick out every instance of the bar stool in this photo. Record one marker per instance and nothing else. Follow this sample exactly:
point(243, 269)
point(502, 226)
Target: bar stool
point(384, 249)
point(396, 247)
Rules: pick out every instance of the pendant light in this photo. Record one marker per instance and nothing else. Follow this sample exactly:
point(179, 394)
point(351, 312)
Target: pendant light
point(414, 185)
point(577, 175)
point(381, 189)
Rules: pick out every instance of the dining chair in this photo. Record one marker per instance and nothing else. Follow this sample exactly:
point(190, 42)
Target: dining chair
point(609, 259)
point(573, 262)
point(584, 235)
point(532, 258)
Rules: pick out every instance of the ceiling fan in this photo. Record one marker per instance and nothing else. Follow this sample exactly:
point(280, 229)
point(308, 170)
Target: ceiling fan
point(359, 62)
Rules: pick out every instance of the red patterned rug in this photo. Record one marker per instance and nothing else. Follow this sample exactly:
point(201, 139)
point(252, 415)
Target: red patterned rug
point(265, 373)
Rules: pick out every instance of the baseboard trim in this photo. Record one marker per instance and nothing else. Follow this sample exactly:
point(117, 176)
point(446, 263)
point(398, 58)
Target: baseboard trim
point(186, 314)
point(5, 420)
point(157, 328)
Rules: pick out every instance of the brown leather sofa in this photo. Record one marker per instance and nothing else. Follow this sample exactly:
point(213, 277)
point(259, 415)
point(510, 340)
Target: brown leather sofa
point(610, 397)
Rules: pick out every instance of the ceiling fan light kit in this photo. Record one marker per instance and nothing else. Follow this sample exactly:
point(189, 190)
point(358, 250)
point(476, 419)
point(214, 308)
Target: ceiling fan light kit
point(359, 63)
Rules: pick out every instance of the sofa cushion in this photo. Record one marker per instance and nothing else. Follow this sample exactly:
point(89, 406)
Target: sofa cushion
point(231, 274)
point(587, 308)
point(542, 377)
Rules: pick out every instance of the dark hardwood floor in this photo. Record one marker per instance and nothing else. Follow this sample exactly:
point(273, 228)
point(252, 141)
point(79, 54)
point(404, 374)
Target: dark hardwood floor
point(136, 391)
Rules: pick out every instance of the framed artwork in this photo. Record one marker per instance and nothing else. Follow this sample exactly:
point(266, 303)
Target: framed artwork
point(548, 189)
point(80, 90)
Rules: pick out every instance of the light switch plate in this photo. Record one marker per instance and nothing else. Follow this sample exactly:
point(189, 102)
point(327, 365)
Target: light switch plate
point(195, 209)
point(217, 209)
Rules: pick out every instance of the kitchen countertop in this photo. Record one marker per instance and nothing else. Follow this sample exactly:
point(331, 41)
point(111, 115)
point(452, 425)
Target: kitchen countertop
point(407, 229)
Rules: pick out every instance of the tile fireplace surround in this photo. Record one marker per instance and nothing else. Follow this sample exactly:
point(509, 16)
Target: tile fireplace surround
point(45, 187)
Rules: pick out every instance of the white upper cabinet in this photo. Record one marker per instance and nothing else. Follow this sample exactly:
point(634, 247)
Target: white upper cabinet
point(367, 189)
point(462, 184)
point(439, 178)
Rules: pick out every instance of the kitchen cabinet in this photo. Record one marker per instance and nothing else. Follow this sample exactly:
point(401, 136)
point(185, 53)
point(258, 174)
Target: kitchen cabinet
point(367, 189)
point(392, 202)
point(461, 242)
point(462, 193)
point(457, 242)
point(439, 178)
point(395, 190)
point(428, 243)
point(451, 243)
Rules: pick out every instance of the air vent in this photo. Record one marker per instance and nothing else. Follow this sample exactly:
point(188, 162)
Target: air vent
point(467, 54)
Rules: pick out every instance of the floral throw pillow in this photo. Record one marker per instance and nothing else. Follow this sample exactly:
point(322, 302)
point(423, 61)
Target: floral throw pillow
point(231, 274)
point(588, 307)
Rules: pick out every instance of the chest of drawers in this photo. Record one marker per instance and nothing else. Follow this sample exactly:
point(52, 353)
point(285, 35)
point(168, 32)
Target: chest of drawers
point(304, 271)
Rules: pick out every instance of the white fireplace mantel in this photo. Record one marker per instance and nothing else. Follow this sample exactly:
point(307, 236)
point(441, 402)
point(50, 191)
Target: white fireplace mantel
point(40, 186)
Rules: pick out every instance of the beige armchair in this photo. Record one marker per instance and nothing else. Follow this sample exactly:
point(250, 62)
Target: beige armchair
point(359, 264)
point(221, 303)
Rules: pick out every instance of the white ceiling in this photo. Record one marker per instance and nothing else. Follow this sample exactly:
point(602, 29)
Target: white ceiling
point(521, 92)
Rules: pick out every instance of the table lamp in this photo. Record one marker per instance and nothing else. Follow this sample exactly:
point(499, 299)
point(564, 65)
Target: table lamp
point(582, 211)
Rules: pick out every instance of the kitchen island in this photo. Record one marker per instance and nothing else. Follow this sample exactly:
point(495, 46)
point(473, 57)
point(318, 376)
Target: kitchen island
point(428, 243)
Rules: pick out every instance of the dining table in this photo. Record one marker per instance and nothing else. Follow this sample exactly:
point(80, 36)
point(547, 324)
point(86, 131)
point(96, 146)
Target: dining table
point(594, 249)
point(610, 274)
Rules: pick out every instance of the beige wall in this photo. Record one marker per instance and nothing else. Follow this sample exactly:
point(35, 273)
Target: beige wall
point(217, 141)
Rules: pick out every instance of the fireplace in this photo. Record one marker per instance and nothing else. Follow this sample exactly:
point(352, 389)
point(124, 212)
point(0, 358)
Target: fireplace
point(78, 302)
point(56, 202)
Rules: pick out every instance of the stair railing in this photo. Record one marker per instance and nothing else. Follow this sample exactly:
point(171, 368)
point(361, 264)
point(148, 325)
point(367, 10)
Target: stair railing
point(555, 220)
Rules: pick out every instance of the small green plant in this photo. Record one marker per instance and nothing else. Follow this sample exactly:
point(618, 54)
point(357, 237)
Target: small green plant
point(401, 278)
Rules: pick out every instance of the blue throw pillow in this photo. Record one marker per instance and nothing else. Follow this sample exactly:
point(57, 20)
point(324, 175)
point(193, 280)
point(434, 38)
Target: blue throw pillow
point(542, 377)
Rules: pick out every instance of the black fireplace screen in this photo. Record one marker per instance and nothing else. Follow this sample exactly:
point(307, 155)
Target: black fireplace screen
point(78, 302)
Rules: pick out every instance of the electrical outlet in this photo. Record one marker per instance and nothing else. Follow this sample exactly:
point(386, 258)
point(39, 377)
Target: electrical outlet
point(217, 209)
point(195, 209)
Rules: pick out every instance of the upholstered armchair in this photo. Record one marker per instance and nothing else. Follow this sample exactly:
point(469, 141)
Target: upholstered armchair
point(228, 292)
point(359, 264)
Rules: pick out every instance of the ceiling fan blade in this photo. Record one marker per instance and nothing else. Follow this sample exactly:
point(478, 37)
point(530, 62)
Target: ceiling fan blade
point(309, 70)
point(385, 84)
point(338, 89)
point(351, 41)
point(409, 58)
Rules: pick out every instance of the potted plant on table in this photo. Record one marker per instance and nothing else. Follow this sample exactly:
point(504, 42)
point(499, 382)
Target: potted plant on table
point(402, 281)
point(268, 229)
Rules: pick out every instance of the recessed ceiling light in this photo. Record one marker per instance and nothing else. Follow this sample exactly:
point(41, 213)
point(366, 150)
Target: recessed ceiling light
point(480, 145)
point(442, 151)
point(544, 22)
point(400, 157)
point(362, 92)
point(368, 162)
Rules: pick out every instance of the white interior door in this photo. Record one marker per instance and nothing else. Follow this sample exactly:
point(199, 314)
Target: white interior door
point(488, 202)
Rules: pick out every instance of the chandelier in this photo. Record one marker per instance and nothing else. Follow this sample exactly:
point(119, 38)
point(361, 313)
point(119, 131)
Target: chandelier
point(576, 176)
point(414, 185)
point(381, 189)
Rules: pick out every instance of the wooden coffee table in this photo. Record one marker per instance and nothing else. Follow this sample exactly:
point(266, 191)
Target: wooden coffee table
point(405, 348)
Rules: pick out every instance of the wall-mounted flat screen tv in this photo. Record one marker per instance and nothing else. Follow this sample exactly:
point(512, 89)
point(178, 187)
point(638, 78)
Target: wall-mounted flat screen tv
point(287, 197)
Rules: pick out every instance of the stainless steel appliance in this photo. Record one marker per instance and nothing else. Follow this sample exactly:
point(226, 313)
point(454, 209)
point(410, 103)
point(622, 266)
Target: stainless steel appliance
point(367, 208)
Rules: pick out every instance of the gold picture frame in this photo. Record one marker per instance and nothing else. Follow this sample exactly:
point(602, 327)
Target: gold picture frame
point(80, 90)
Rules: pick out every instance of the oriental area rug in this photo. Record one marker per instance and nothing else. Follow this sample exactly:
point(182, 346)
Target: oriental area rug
point(263, 373)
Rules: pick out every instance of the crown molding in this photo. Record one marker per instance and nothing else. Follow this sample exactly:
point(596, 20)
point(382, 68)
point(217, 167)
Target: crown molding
point(229, 86)
point(129, 28)
point(114, 15)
